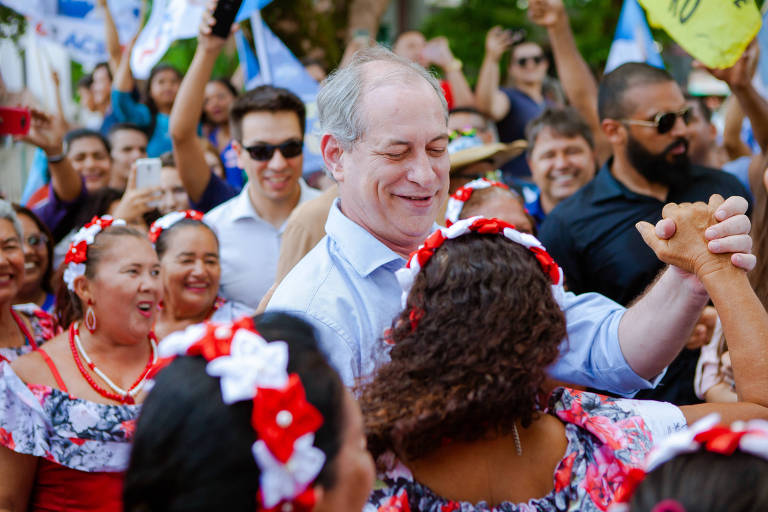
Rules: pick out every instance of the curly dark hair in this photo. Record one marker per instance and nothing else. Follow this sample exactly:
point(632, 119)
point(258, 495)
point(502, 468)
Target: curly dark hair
point(476, 362)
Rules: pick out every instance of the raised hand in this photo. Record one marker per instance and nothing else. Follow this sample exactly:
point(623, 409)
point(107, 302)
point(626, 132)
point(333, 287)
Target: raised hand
point(546, 13)
point(46, 131)
point(498, 41)
point(741, 73)
point(438, 52)
point(205, 39)
point(688, 248)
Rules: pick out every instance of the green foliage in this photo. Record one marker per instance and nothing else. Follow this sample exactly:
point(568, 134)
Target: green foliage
point(593, 21)
point(12, 24)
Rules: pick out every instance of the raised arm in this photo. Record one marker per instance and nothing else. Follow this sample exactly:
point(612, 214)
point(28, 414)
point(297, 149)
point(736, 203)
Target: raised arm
point(47, 132)
point(739, 79)
point(655, 328)
point(439, 53)
point(734, 116)
point(575, 76)
point(187, 150)
point(744, 320)
point(112, 39)
point(488, 97)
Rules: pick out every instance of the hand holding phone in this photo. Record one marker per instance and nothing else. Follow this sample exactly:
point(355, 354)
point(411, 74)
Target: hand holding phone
point(224, 14)
point(14, 121)
point(148, 172)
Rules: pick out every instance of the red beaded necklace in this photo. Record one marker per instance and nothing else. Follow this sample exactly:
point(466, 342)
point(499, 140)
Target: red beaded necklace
point(24, 330)
point(123, 399)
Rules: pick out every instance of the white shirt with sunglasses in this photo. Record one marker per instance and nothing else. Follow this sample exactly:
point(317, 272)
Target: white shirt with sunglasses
point(249, 247)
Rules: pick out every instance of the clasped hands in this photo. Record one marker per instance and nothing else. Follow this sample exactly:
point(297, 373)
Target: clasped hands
point(702, 239)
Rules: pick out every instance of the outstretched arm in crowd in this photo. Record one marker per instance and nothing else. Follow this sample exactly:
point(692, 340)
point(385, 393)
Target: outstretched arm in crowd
point(489, 98)
point(734, 117)
point(654, 329)
point(112, 39)
point(187, 150)
point(739, 79)
point(575, 76)
point(744, 320)
point(440, 54)
point(47, 132)
point(126, 109)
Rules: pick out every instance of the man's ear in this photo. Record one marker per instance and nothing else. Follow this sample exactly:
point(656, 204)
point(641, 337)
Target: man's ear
point(242, 154)
point(614, 131)
point(332, 152)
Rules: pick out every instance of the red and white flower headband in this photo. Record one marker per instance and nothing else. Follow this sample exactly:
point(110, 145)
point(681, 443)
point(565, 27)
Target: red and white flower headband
point(77, 254)
point(168, 220)
point(481, 225)
point(250, 368)
point(461, 196)
point(708, 434)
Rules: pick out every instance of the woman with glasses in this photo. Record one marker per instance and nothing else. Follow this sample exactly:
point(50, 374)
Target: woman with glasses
point(37, 244)
point(26, 327)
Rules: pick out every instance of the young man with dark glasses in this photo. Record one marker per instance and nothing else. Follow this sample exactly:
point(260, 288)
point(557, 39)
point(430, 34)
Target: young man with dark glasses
point(592, 234)
point(512, 107)
point(267, 125)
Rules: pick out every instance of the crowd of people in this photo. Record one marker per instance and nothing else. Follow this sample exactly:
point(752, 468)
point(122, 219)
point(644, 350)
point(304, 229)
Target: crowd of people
point(539, 294)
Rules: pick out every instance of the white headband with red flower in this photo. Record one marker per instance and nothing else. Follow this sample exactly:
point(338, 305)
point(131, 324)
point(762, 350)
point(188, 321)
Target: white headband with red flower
point(250, 368)
point(480, 225)
point(77, 254)
point(168, 220)
point(462, 195)
point(708, 434)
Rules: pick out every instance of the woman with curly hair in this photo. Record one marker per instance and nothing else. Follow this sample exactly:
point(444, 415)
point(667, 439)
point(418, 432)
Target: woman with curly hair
point(459, 419)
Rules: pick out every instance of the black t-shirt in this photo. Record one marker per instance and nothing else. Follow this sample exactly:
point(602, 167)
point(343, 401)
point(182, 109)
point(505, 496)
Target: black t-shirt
point(592, 236)
point(522, 108)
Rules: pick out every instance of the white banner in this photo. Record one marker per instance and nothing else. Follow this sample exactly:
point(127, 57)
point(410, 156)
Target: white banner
point(78, 25)
point(169, 20)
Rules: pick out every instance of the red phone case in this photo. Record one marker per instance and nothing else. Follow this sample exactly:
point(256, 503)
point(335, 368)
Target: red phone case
point(14, 121)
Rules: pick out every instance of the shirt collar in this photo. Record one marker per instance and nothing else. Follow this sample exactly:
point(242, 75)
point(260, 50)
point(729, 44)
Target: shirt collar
point(242, 208)
point(607, 187)
point(363, 251)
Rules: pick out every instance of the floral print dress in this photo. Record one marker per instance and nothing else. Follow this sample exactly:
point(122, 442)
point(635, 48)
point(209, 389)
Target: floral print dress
point(83, 446)
point(606, 438)
point(42, 325)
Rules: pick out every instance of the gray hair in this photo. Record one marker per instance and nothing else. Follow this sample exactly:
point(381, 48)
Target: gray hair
point(339, 99)
point(7, 213)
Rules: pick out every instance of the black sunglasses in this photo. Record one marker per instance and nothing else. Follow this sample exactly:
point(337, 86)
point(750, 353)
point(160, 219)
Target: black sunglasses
point(264, 152)
point(537, 59)
point(664, 121)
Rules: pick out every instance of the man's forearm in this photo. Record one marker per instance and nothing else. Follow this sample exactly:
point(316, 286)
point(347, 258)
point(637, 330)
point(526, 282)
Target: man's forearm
point(487, 84)
point(756, 109)
point(656, 327)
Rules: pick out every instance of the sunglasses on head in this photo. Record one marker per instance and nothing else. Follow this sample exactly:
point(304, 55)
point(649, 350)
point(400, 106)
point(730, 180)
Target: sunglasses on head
point(663, 121)
point(264, 152)
point(537, 59)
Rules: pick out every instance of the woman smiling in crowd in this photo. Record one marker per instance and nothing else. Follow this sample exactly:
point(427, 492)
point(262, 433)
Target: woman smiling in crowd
point(189, 255)
point(38, 261)
point(67, 410)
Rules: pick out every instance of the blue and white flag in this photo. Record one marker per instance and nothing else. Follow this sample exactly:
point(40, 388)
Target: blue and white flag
point(78, 25)
point(632, 41)
point(246, 57)
point(279, 67)
point(247, 8)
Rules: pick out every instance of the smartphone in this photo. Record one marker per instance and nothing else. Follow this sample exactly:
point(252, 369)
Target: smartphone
point(148, 172)
point(14, 121)
point(224, 14)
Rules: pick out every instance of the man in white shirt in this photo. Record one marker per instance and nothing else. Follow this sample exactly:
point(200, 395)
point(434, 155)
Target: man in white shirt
point(267, 125)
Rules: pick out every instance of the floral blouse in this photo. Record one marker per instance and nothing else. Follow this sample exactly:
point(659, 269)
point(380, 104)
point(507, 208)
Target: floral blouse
point(78, 434)
point(42, 325)
point(606, 438)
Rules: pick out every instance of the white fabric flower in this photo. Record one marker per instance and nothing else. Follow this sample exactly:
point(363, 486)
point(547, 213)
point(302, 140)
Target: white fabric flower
point(286, 481)
point(82, 418)
point(252, 363)
point(177, 343)
point(166, 221)
point(71, 271)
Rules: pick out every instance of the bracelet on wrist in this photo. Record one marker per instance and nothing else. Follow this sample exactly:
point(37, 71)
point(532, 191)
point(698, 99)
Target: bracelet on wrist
point(54, 159)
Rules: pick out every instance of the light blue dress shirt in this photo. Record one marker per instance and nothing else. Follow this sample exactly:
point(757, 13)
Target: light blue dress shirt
point(346, 287)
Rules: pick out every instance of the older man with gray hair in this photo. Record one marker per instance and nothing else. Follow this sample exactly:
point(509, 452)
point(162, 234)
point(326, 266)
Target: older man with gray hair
point(385, 136)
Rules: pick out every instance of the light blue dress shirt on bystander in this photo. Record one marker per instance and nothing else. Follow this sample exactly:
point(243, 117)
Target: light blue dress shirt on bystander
point(346, 287)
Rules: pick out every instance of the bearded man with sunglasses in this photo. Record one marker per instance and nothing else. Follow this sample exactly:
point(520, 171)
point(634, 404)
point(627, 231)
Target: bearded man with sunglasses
point(592, 234)
point(267, 125)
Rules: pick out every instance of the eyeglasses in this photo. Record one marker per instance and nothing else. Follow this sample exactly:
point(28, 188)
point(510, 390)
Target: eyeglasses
point(36, 240)
point(663, 121)
point(537, 59)
point(264, 152)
